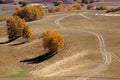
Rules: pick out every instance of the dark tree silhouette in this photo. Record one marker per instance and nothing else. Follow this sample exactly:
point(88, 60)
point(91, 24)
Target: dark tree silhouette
point(40, 58)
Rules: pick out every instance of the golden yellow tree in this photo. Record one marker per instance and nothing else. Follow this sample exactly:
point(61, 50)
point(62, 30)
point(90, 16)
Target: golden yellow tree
point(52, 40)
point(42, 11)
point(60, 7)
point(91, 6)
point(69, 8)
point(77, 7)
point(29, 13)
point(106, 8)
point(17, 27)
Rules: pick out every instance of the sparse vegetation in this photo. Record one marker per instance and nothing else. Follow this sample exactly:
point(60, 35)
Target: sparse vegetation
point(52, 40)
point(20, 74)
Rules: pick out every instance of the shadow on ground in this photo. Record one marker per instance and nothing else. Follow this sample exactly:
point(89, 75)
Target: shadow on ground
point(20, 43)
point(11, 40)
point(40, 58)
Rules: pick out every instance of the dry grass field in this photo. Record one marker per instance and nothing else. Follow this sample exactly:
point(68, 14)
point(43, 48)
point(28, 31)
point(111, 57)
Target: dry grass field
point(91, 51)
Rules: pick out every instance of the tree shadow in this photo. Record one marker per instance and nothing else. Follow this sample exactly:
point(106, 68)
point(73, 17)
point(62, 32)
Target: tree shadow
point(40, 58)
point(19, 43)
point(113, 10)
point(10, 40)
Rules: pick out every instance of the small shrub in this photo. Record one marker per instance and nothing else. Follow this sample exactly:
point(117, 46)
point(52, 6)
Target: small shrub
point(91, 6)
point(60, 8)
point(78, 7)
point(103, 8)
point(52, 40)
point(106, 8)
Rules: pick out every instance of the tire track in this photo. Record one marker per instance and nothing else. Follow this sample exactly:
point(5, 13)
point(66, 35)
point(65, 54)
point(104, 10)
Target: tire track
point(112, 55)
point(105, 54)
point(57, 21)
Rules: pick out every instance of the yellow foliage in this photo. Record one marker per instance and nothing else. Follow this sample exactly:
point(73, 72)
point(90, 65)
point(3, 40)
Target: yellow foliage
point(29, 13)
point(91, 6)
point(17, 27)
point(60, 8)
point(26, 32)
point(17, 8)
point(2, 18)
point(65, 9)
point(52, 40)
point(78, 7)
point(69, 8)
point(106, 8)
point(40, 9)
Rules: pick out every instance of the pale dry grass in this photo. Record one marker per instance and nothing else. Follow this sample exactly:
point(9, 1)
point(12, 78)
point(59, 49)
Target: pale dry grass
point(81, 49)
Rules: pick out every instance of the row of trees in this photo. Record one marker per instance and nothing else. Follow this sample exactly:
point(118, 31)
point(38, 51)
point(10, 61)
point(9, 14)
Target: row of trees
point(61, 7)
point(77, 6)
point(94, 7)
point(17, 27)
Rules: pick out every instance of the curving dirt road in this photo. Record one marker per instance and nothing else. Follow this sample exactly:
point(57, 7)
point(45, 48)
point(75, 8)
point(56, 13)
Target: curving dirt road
point(105, 54)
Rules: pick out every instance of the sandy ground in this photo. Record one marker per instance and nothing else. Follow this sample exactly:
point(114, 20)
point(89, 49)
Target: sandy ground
point(80, 55)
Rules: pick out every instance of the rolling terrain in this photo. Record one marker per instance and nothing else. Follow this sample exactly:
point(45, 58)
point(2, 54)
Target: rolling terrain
point(91, 49)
